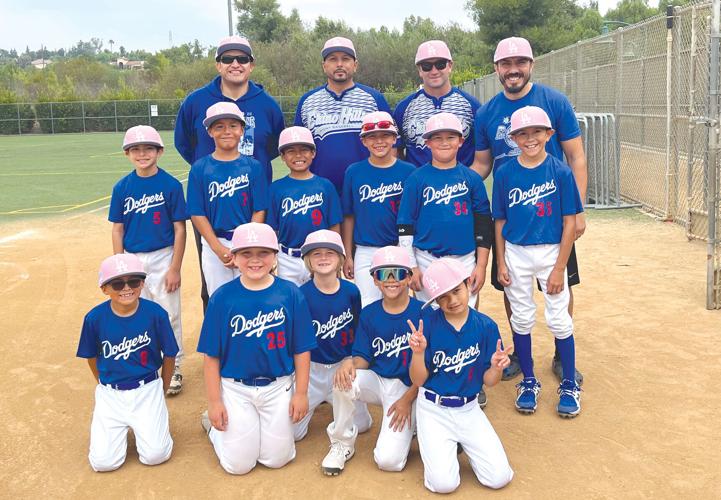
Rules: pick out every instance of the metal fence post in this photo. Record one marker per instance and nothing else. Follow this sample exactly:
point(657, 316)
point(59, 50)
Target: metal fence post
point(20, 128)
point(52, 120)
point(669, 68)
point(115, 114)
point(82, 110)
point(691, 137)
point(712, 274)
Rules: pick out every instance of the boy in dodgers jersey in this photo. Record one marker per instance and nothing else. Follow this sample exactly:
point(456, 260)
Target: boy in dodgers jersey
point(147, 209)
point(378, 371)
point(334, 308)
point(300, 203)
point(445, 210)
point(125, 340)
point(225, 190)
point(460, 351)
point(256, 336)
point(535, 202)
point(372, 191)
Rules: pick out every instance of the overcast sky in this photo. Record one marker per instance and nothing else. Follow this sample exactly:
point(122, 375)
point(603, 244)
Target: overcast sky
point(151, 24)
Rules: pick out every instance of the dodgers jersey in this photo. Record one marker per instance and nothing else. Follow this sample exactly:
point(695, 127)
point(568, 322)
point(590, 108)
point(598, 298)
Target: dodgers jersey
point(299, 207)
point(493, 121)
point(373, 196)
point(533, 201)
point(226, 192)
point(335, 320)
point(335, 121)
point(412, 113)
point(440, 204)
point(382, 339)
point(127, 348)
point(457, 360)
point(147, 207)
point(255, 333)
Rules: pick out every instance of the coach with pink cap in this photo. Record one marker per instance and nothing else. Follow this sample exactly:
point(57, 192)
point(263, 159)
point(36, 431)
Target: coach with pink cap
point(334, 112)
point(513, 62)
point(436, 95)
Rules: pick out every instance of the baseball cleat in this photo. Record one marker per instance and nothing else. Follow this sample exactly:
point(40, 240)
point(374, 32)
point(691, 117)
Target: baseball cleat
point(335, 460)
point(482, 399)
point(205, 422)
point(569, 399)
point(176, 383)
point(558, 370)
point(528, 390)
point(512, 370)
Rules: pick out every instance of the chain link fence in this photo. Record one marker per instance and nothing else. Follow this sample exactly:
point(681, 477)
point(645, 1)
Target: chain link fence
point(655, 77)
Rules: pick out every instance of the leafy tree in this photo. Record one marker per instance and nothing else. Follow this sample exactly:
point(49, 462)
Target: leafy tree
point(262, 20)
point(630, 11)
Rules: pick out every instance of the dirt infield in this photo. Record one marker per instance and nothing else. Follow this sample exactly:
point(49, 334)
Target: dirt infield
point(647, 347)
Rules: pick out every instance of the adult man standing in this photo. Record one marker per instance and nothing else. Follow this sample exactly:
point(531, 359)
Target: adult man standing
point(513, 61)
point(263, 116)
point(334, 112)
point(434, 63)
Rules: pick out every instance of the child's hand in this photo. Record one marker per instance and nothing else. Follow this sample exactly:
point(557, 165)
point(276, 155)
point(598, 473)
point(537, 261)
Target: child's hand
point(224, 255)
point(400, 413)
point(172, 280)
point(298, 407)
point(348, 267)
point(503, 277)
point(555, 281)
point(218, 415)
point(417, 341)
point(416, 283)
point(500, 359)
point(344, 375)
point(477, 279)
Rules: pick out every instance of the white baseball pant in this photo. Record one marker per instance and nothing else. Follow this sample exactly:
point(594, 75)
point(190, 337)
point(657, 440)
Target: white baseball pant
point(425, 259)
point(216, 274)
point(362, 276)
point(440, 429)
point(259, 427)
point(524, 263)
point(320, 388)
point(143, 410)
point(156, 265)
point(391, 451)
point(292, 269)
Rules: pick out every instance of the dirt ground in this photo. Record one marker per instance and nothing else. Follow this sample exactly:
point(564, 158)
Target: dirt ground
point(647, 347)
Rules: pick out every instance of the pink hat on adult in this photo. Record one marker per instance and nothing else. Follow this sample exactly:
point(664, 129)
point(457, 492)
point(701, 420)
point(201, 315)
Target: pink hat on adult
point(433, 49)
point(442, 122)
point(442, 276)
point(529, 116)
point(118, 265)
point(142, 134)
point(221, 110)
point(233, 42)
point(378, 121)
point(338, 44)
point(513, 47)
point(390, 257)
point(293, 136)
point(323, 238)
point(254, 235)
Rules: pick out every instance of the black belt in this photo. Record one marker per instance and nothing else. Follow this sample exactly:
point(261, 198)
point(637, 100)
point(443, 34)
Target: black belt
point(129, 386)
point(256, 381)
point(293, 252)
point(228, 235)
point(448, 401)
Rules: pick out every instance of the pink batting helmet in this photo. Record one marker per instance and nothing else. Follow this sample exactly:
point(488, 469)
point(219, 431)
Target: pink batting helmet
point(338, 44)
point(442, 122)
point(234, 42)
point(142, 134)
point(254, 235)
point(513, 47)
point(529, 116)
point(433, 49)
point(122, 264)
point(378, 118)
point(221, 110)
point(390, 257)
point(323, 238)
point(292, 136)
point(442, 276)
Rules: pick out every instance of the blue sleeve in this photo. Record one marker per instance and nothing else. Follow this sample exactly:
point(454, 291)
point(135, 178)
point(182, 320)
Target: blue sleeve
point(88, 345)
point(196, 201)
point(303, 331)
point(479, 133)
point(362, 342)
point(298, 122)
point(277, 125)
point(381, 102)
point(335, 214)
point(355, 304)
point(115, 214)
point(481, 205)
point(490, 330)
point(185, 140)
point(408, 211)
point(259, 188)
point(567, 126)
point(347, 193)
point(168, 344)
point(398, 118)
point(179, 209)
point(499, 197)
point(570, 197)
point(271, 216)
point(209, 341)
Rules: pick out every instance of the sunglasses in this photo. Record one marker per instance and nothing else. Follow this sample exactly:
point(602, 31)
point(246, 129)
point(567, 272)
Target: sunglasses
point(118, 285)
point(397, 273)
point(230, 59)
point(428, 66)
point(381, 125)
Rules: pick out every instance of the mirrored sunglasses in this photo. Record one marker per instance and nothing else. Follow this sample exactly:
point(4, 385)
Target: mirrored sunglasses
point(230, 59)
point(119, 284)
point(428, 66)
point(381, 125)
point(397, 273)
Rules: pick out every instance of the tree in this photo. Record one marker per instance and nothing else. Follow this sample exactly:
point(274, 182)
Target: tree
point(630, 11)
point(262, 20)
point(111, 42)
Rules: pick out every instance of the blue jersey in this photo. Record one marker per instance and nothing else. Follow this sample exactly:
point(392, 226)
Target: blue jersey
point(440, 204)
point(457, 360)
point(255, 333)
point(147, 207)
point(493, 121)
point(382, 339)
point(335, 121)
point(412, 113)
point(372, 195)
point(533, 201)
point(299, 207)
point(335, 318)
point(127, 348)
point(226, 192)
point(263, 124)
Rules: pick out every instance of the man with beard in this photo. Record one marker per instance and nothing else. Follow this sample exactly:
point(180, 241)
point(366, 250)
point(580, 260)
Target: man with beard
point(334, 112)
point(513, 61)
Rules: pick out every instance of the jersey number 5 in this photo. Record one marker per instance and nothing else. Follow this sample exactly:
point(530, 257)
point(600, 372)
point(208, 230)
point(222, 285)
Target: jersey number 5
point(156, 218)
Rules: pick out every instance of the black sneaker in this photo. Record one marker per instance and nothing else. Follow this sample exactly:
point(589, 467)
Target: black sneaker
point(558, 370)
point(482, 399)
point(513, 370)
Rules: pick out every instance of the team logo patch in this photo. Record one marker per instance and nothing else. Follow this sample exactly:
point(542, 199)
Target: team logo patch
point(456, 362)
point(393, 347)
point(301, 206)
point(381, 193)
point(445, 194)
point(257, 325)
point(251, 236)
point(333, 325)
point(142, 205)
point(125, 347)
point(432, 285)
point(229, 187)
point(532, 194)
